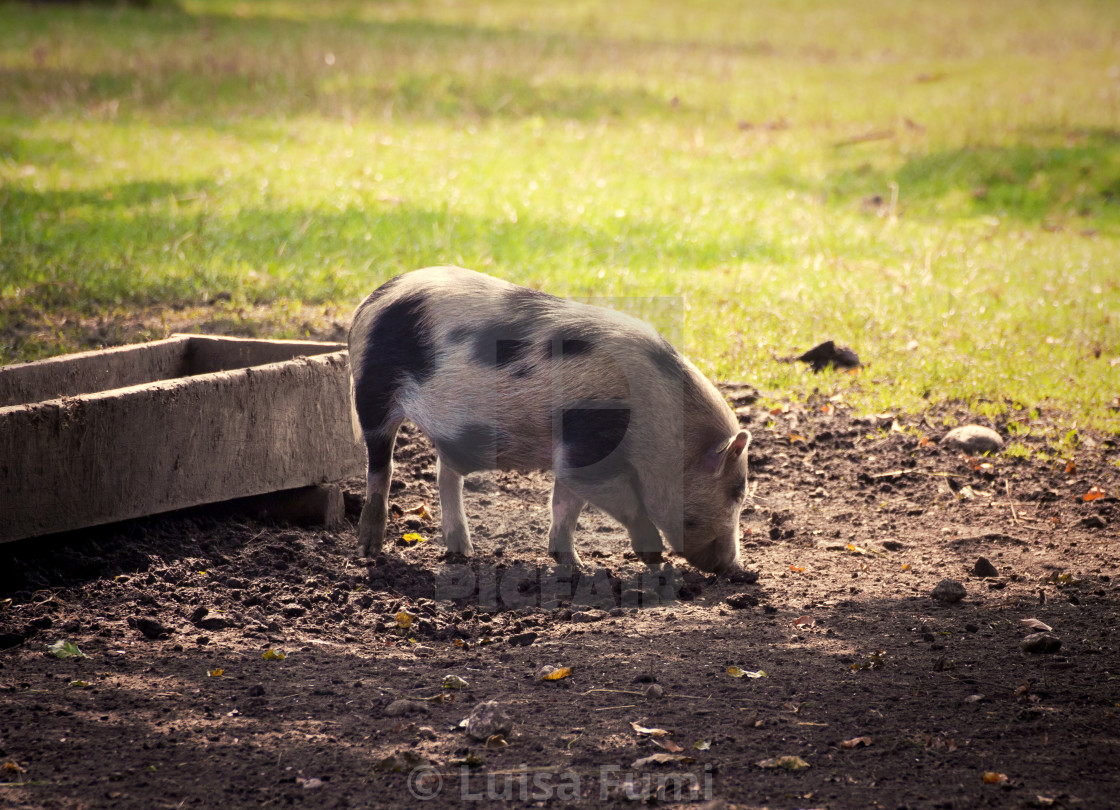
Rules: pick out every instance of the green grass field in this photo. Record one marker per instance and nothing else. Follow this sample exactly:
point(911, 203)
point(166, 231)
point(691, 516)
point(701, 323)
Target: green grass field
point(934, 184)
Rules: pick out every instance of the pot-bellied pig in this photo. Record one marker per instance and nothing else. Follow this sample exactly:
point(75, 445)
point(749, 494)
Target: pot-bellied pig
point(504, 377)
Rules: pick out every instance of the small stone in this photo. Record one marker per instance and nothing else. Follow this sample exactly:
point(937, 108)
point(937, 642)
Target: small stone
point(522, 639)
point(655, 691)
point(402, 707)
point(586, 616)
point(1094, 522)
point(948, 591)
point(972, 439)
point(152, 629)
point(984, 568)
point(1041, 643)
point(293, 610)
point(213, 623)
point(198, 614)
point(487, 719)
point(426, 733)
point(741, 601)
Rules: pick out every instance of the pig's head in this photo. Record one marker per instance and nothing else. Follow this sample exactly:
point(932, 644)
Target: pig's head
point(715, 486)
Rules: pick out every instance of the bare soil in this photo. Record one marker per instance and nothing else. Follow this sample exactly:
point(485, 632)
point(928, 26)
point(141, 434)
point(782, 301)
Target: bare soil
point(892, 698)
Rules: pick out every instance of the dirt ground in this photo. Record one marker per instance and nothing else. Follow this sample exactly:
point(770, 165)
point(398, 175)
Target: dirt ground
point(892, 698)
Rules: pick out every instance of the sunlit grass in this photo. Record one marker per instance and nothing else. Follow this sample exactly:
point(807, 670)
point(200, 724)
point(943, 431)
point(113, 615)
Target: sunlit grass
point(936, 185)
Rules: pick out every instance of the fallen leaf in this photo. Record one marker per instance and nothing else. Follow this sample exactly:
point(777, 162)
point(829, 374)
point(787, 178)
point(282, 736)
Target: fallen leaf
point(649, 732)
point(1035, 624)
point(547, 673)
point(906, 566)
point(856, 549)
point(79, 684)
point(805, 621)
point(273, 655)
point(215, 673)
point(737, 672)
point(855, 742)
point(668, 745)
point(1070, 467)
point(66, 649)
point(420, 511)
point(922, 442)
point(993, 778)
point(1093, 494)
point(789, 763)
point(660, 759)
point(793, 437)
point(412, 538)
point(12, 767)
point(797, 569)
point(702, 745)
point(454, 682)
point(496, 741)
point(404, 620)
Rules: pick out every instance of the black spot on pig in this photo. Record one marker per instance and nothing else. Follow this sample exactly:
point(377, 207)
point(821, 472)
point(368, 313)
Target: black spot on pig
point(571, 347)
point(398, 345)
point(475, 447)
point(592, 432)
point(500, 344)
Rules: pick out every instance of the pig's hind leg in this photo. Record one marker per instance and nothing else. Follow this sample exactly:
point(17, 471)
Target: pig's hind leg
point(456, 535)
point(566, 506)
point(375, 512)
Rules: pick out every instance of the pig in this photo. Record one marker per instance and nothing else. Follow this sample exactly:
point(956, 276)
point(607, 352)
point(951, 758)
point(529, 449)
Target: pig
point(504, 377)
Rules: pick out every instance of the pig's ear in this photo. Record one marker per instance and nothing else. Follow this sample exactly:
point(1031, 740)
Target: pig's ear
point(727, 452)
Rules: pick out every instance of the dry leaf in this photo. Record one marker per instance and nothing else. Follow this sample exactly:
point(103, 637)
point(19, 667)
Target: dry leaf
point(496, 741)
point(737, 672)
point(702, 745)
point(273, 655)
point(659, 759)
point(412, 538)
point(789, 763)
point(1093, 494)
point(993, 778)
point(649, 732)
point(805, 621)
point(797, 569)
point(906, 566)
point(855, 742)
point(454, 682)
point(215, 673)
point(404, 620)
point(420, 511)
point(1035, 624)
point(668, 745)
point(547, 673)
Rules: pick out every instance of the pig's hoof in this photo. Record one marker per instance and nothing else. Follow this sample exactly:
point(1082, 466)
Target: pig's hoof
point(651, 557)
point(458, 542)
point(568, 558)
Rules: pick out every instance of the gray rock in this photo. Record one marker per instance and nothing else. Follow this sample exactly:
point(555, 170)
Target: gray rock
point(984, 568)
point(655, 691)
point(402, 707)
point(585, 616)
point(972, 439)
point(948, 591)
point(1041, 643)
point(487, 719)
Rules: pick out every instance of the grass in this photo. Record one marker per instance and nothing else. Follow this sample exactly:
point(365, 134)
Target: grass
point(936, 185)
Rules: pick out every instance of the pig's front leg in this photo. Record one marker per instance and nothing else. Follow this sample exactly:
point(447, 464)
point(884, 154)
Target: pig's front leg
point(619, 498)
point(566, 506)
point(456, 535)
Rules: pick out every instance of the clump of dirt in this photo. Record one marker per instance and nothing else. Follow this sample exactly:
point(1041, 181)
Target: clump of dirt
point(232, 662)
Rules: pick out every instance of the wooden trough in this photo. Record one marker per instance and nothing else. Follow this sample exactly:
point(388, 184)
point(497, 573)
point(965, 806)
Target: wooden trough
point(103, 436)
